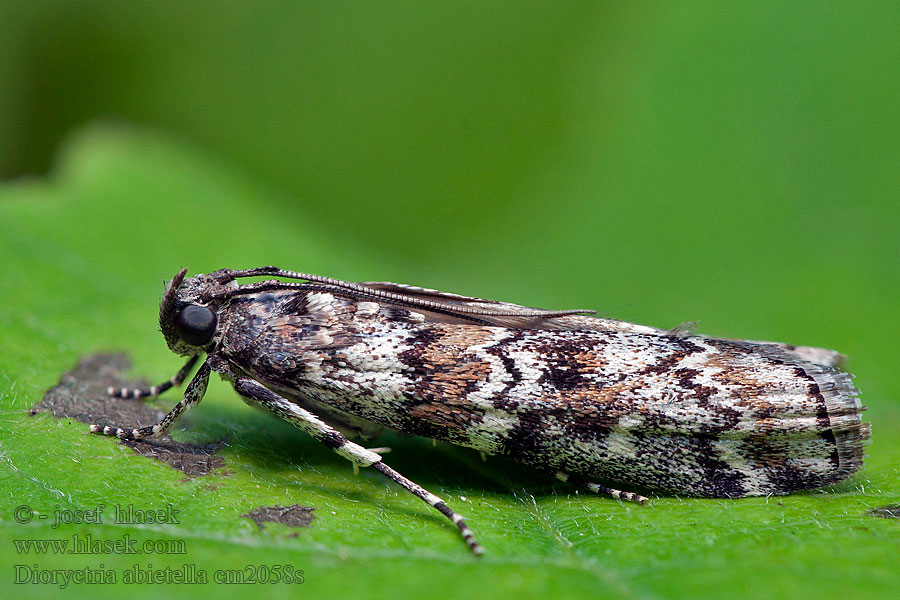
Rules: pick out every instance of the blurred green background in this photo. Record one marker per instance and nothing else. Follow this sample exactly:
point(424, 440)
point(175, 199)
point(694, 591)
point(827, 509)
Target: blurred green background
point(659, 162)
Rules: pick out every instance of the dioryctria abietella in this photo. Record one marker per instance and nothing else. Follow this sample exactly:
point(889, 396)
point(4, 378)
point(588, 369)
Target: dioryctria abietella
point(585, 398)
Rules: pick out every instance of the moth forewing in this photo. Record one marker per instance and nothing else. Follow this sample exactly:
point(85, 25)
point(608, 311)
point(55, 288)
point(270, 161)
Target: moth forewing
point(583, 397)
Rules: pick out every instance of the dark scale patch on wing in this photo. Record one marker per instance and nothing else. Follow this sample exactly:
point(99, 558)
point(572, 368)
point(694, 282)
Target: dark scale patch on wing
point(565, 344)
point(563, 369)
point(502, 399)
point(562, 376)
point(785, 479)
point(526, 440)
point(719, 479)
point(295, 304)
point(509, 365)
point(726, 483)
point(685, 379)
point(664, 366)
point(417, 356)
point(590, 422)
point(393, 313)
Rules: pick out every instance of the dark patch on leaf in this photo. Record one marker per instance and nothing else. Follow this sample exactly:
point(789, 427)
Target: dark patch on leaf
point(81, 395)
point(292, 516)
point(888, 511)
point(190, 459)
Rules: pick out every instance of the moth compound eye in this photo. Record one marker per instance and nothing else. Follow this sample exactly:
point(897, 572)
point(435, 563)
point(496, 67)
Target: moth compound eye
point(196, 324)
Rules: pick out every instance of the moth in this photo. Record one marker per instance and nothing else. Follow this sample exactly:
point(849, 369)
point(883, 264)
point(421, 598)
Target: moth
point(588, 399)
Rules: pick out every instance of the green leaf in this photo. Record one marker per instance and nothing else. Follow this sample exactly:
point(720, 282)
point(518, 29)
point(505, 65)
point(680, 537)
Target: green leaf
point(84, 256)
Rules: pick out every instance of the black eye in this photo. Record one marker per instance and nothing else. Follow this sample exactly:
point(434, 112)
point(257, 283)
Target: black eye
point(196, 324)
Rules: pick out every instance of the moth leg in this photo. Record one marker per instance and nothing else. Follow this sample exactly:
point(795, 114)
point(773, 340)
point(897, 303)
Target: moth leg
point(359, 456)
point(192, 395)
point(601, 489)
point(155, 390)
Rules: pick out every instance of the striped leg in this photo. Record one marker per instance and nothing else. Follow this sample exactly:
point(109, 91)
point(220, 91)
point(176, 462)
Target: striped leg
point(601, 489)
point(155, 390)
point(355, 453)
point(192, 396)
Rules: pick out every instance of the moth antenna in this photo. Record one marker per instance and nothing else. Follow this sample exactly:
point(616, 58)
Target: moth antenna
point(361, 292)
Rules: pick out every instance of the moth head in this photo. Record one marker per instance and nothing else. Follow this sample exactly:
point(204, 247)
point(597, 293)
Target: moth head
point(185, 319)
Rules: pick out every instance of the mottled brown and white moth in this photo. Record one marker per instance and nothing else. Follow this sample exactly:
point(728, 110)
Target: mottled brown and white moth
point(582, 397)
